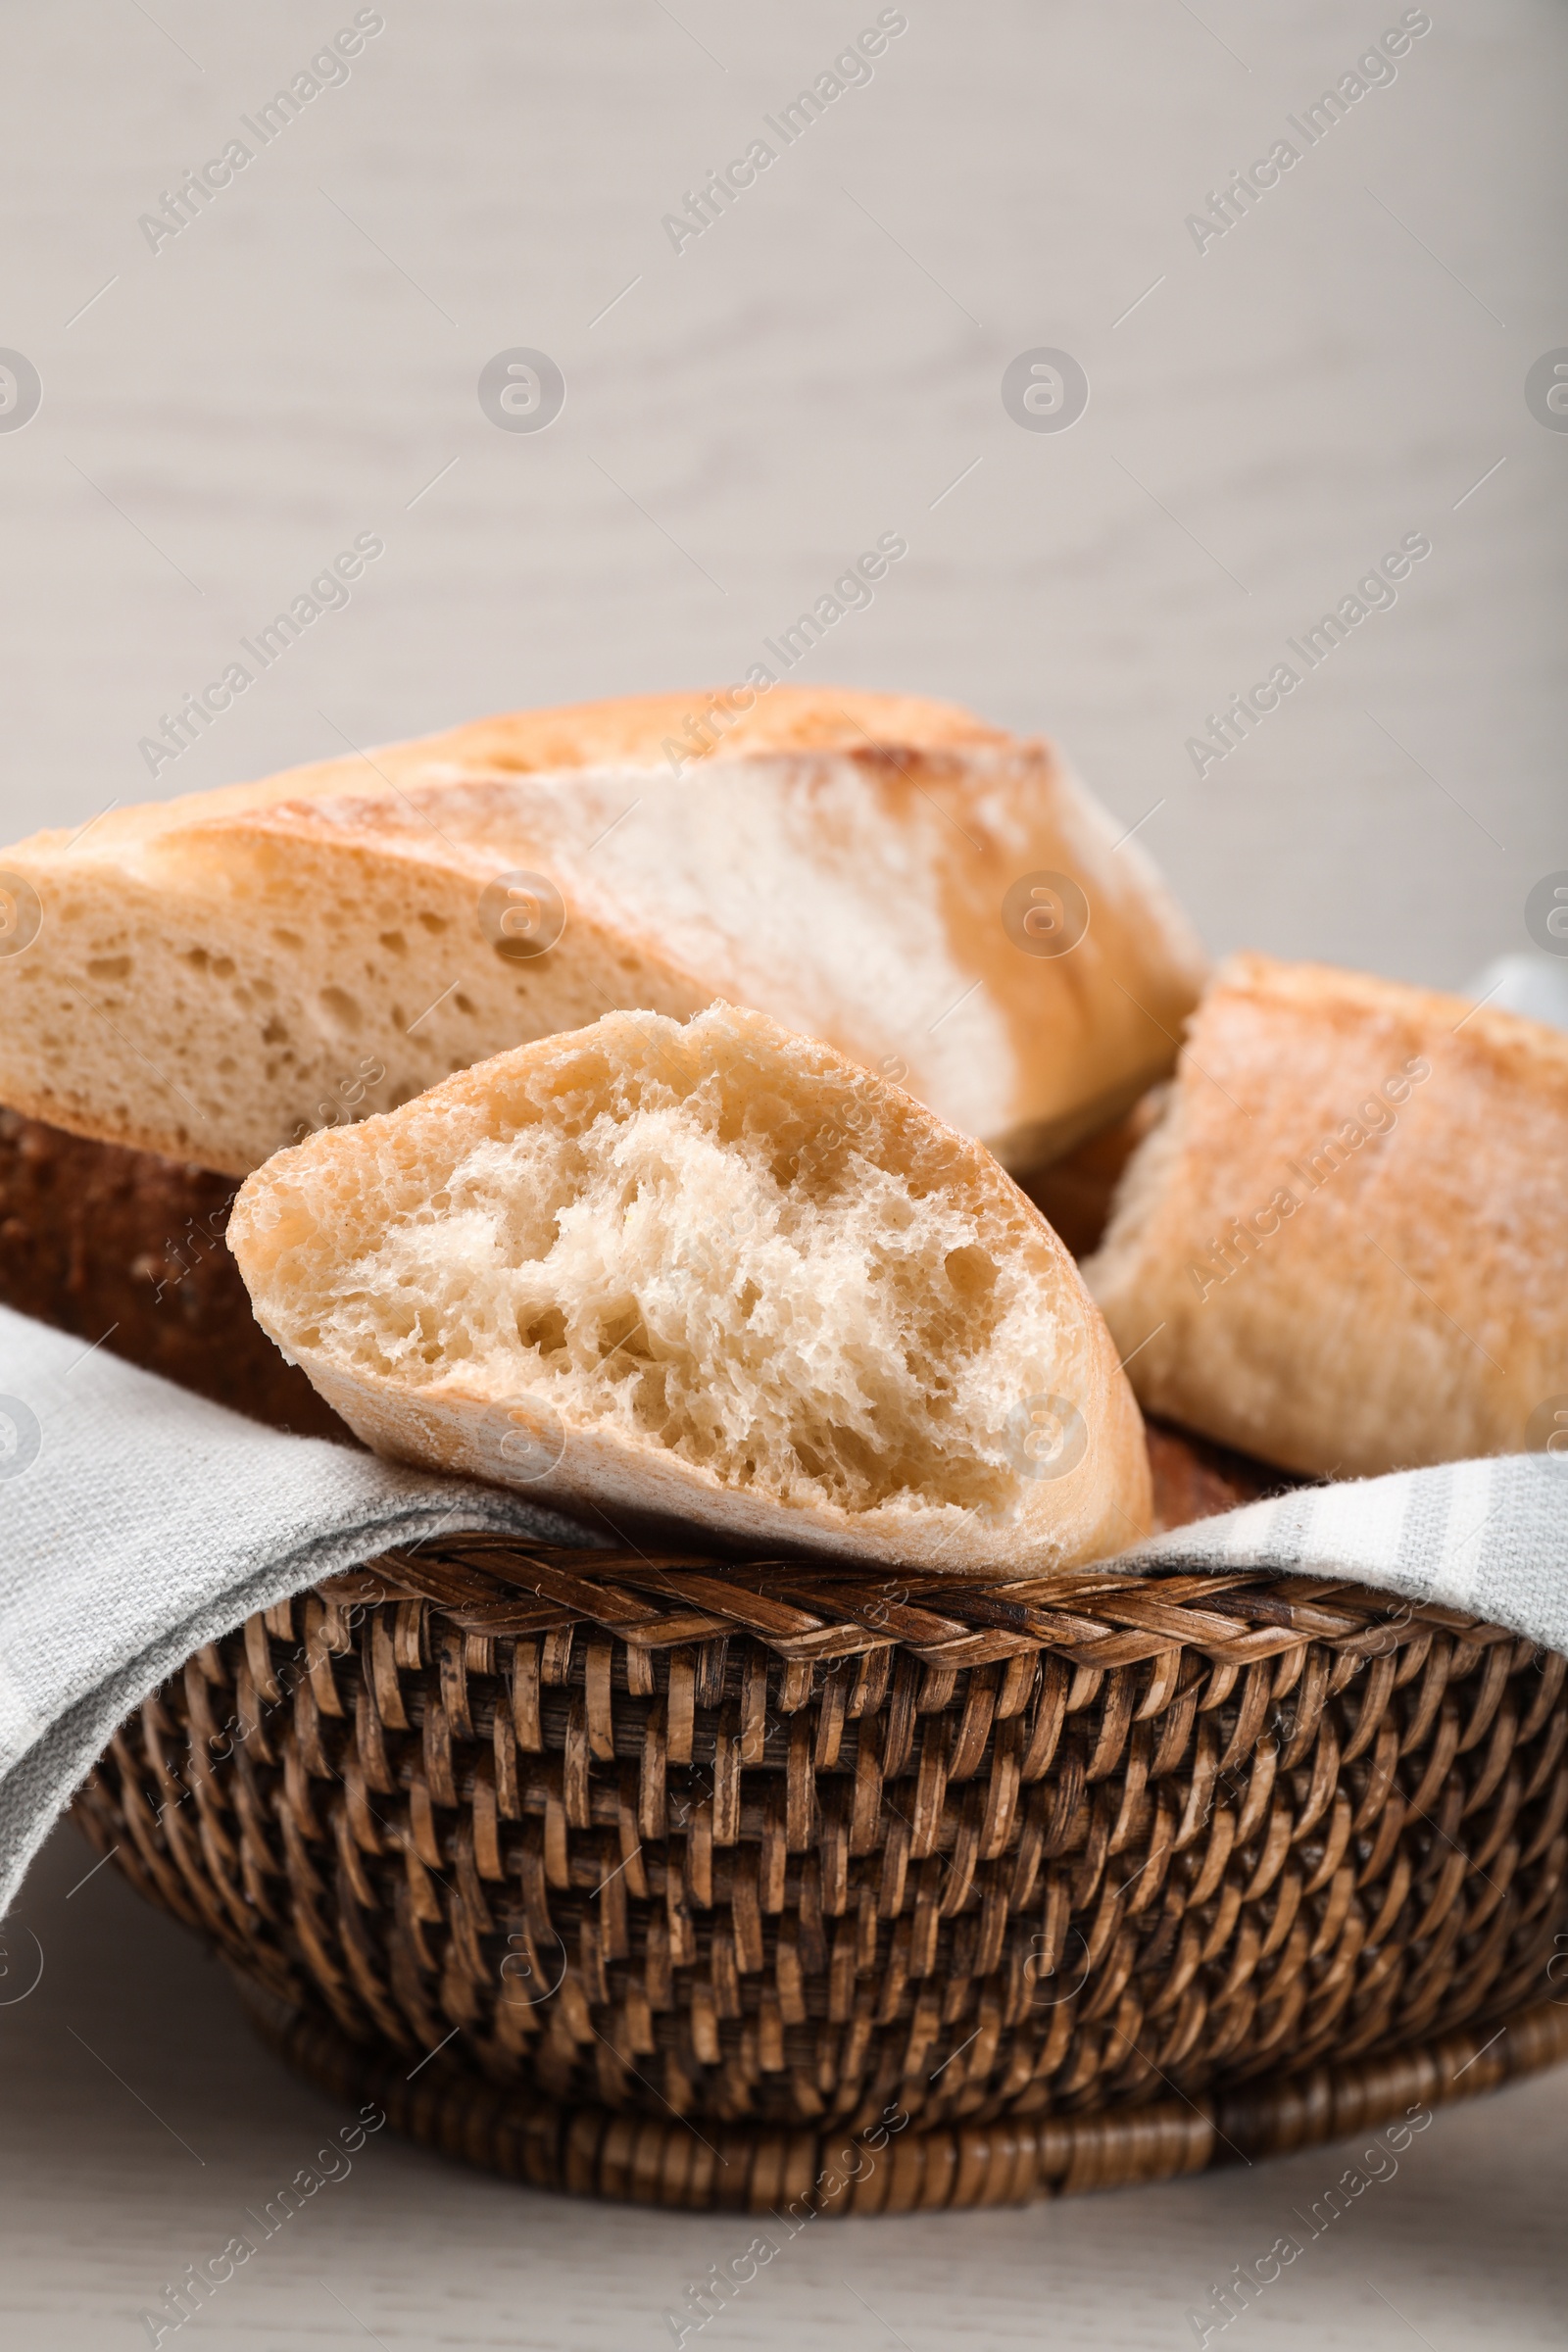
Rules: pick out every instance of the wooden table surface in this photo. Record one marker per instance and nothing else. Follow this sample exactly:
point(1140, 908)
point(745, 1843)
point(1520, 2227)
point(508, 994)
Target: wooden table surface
point(1344, 366)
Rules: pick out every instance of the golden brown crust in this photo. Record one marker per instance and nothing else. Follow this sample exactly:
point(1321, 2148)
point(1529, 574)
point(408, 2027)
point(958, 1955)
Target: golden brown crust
point(1340, 1250)
point(210, 972)
point(629, 730)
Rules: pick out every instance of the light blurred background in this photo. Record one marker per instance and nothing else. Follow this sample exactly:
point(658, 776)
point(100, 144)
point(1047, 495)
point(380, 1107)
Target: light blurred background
point(1266, 418)
point(299, 364)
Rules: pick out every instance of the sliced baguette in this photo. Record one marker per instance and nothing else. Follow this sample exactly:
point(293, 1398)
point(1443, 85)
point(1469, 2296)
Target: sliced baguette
point(1342, 1246)
point(711, 1273)
point(212, 978)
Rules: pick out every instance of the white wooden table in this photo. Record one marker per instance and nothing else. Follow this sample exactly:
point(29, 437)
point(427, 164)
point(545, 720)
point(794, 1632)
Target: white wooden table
point(1267, 416)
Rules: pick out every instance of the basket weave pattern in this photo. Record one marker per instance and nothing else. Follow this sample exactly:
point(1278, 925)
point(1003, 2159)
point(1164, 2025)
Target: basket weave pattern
point(792, 1847)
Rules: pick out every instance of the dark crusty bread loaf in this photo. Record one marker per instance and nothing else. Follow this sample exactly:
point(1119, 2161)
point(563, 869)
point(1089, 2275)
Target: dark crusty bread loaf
point(127, 1249)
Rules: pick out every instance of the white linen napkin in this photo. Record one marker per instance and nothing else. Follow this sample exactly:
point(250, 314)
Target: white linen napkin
point(140, 1521)
point(137, 1522)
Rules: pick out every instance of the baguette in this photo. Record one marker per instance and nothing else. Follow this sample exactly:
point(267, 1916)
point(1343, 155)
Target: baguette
point(712, 1274)
point(1342, 1246)
point(213, 977)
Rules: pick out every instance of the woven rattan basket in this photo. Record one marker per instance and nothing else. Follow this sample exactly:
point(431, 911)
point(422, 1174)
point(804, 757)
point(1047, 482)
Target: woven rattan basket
point(796, 1886)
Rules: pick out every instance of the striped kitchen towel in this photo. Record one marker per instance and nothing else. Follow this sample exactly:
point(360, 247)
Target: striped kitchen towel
point(141, 1522)
point(1489, 1536)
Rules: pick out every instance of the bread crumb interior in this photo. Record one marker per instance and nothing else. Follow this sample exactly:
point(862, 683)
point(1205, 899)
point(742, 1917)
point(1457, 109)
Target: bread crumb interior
point(672, 1237)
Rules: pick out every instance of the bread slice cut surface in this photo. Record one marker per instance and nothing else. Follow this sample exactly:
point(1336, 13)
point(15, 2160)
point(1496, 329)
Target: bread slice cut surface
point(712, 1273)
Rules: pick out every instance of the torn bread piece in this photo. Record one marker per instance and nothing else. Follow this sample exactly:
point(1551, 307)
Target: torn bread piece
point(211, 978)
point(711, 1273)
point(1342, 1246)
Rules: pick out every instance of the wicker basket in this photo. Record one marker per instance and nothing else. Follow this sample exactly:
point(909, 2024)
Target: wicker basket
point(796, 1885)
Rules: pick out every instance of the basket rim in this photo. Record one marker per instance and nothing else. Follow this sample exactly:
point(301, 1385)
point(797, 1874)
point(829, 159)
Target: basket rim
point(810, 1612)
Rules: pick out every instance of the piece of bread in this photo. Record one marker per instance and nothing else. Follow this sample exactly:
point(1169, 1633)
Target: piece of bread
point(212, 978)
point(712, 1273)
point(126, 1250)
point(1343, 1246)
